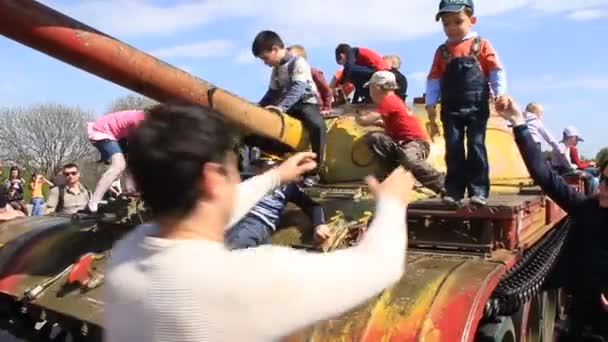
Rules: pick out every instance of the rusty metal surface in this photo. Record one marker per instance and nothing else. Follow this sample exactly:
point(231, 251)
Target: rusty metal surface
point(499, 206)
point(57, 35)
point(47, 249)
point(441, 298)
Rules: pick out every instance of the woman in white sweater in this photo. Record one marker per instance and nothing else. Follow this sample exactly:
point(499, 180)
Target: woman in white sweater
point(174, 279)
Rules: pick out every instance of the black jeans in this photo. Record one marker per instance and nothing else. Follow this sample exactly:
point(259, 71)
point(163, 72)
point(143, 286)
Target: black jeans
point(314, 123)
point(358, 78)
point(471, 171)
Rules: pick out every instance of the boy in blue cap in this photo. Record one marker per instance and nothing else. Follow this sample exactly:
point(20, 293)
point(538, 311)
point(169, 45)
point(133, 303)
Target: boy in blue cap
point(466, 74)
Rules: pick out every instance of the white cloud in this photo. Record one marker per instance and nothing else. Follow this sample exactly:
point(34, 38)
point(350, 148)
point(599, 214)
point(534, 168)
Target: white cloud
point(211, 48)
point(588, 14)
point(244, 57)
point(322, 21)
point(418, 76)
point(552, 82)
point(141, 17)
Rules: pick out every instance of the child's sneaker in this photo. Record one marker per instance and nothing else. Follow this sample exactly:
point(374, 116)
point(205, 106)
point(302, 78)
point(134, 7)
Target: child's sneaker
point(311, 180)
point(451, 201)
point(479, 200)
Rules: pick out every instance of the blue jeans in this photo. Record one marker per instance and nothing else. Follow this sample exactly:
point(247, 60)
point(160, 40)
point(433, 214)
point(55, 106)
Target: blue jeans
point(248, 232)
point(471, 171)
point(38, 203)
point(594, 171)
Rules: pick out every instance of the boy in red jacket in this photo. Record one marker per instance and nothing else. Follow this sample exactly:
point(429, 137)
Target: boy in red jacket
point(359, 65)
point(404, 141)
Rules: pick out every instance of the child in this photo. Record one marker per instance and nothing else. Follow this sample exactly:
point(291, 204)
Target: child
point(394, 63)
point(108, 134)
point(293, 90)
point(404, 142)
point(359, 65)
point(533, 115)
point(36, 182)
point(14, 185)
point(564, 160)
point(463, 71)
point(325, 95)
point(257, 226)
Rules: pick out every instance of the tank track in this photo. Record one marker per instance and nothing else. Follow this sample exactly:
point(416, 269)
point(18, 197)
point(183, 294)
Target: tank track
point(526, 278)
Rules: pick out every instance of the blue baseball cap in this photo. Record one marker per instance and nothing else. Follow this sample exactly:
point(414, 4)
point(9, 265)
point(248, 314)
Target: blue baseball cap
point(453, 6)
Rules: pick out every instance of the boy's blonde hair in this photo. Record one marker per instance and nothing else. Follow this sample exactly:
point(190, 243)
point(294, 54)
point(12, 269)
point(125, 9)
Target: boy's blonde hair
point(534, 107)
point(298, 50)
point(395, 60)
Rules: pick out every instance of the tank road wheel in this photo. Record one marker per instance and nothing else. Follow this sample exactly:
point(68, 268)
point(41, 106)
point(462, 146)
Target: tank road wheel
point(502, 330)
point(549, 314)
point(534, 325)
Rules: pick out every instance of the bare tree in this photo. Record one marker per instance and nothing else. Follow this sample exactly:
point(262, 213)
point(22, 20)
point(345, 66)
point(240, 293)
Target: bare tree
point(43, 137)
point(130, 101)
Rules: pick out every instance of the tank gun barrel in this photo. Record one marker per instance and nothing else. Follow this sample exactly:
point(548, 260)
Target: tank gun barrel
point(66, 39)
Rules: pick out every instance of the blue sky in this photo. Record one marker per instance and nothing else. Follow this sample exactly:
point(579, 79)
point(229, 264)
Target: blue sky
point(553, 50)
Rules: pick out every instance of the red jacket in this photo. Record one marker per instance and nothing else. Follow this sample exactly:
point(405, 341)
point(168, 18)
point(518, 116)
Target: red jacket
point(325, 94)
point(576, 158)
point(371, 58)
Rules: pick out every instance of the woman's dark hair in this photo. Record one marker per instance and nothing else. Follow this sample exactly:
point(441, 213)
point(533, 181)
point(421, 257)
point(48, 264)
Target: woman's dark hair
point(168, 151)
point(14, 168)
point(265, 41)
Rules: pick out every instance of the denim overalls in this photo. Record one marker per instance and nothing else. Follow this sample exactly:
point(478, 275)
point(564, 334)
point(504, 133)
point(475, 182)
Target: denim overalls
point(465, 109)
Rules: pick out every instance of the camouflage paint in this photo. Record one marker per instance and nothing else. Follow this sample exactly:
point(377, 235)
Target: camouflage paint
point(441, 298)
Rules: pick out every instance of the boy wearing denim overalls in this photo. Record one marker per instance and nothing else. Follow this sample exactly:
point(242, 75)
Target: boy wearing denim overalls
point(465, 75)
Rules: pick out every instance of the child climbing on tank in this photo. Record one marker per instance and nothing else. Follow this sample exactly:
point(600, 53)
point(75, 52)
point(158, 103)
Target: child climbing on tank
point(257, 226)
point(292, 89)
point(360, 64)
point(108, 134)
point(404, 141)
point(325, 94)
point(465, 76)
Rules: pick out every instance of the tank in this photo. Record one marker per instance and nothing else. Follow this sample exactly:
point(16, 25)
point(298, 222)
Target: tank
point(472, 273)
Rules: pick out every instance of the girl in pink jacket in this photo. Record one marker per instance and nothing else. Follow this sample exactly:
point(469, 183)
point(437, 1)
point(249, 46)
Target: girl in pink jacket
point(109, 134)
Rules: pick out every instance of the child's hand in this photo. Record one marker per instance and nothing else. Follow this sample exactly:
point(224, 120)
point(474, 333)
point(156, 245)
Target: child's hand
point(509, 110)
point(431, 111)
point(501, 103)
point(433, 130)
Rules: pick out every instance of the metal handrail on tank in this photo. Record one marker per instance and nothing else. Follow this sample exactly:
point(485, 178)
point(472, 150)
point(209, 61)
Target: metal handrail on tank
point(68, 40)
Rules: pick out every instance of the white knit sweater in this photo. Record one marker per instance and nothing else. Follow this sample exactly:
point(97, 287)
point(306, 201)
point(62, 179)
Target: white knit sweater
point(197, 290)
